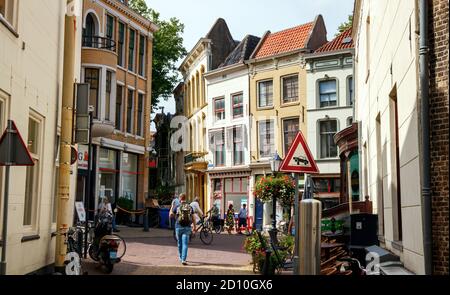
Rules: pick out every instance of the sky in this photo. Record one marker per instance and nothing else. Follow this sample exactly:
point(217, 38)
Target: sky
point(253, 17)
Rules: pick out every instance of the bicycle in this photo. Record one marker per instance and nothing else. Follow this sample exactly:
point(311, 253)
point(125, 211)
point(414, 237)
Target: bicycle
point(206, 234)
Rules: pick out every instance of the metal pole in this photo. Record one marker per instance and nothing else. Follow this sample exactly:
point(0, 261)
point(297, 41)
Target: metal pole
point(310, 231)
point(296, 224)
point(64, 206)
point(424, 80)
point(146, 229)
point(88, 184)
point(5, 223)
point(5, 205)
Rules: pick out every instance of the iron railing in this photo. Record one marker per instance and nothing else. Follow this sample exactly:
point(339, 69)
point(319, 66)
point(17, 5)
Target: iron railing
point(99, 43)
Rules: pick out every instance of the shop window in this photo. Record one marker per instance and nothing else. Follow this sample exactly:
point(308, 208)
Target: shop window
point(129, 176)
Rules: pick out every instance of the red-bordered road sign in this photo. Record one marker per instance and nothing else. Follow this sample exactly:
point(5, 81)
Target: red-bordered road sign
point(13, 151)
point(299, 158)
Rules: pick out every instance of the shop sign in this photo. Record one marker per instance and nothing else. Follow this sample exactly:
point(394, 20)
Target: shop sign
point(83, 157)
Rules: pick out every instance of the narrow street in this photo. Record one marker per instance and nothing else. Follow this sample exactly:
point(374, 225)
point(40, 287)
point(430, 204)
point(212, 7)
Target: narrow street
point(155, 253)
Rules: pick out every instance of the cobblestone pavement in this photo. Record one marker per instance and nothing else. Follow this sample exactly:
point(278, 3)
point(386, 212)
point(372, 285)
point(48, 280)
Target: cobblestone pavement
point(156, 253)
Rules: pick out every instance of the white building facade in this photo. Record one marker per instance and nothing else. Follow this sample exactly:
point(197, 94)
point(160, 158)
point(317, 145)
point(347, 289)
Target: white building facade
point(31, 75)
point(386, 55)
point(228, 135)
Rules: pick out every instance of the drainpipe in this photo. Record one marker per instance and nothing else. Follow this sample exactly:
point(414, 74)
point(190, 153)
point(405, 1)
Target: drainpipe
point(425, 122)
point(64, 205)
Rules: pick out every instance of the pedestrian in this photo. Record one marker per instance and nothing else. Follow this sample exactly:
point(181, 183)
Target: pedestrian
point(175, 203)
point(198, 213)
point(114, 224)
point(184, 215)
point(230, 218)
point(243, 217)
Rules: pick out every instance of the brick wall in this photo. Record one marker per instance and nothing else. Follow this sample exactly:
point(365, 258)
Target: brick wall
point(439, 115)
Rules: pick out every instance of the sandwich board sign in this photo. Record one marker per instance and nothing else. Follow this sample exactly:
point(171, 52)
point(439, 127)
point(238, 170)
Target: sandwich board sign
point(299, 158)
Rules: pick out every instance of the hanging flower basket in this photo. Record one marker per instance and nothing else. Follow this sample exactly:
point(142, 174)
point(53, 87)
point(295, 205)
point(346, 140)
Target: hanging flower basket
point(281, 186)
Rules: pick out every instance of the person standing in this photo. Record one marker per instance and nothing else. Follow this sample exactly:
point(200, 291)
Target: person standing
point(175, 203)
point(230, 218)
point(184, 215)
point(243, 217)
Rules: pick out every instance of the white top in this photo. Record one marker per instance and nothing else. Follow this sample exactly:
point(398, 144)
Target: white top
point(196, 207)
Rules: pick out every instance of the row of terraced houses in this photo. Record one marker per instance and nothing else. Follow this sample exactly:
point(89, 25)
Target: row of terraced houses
point(246, 100)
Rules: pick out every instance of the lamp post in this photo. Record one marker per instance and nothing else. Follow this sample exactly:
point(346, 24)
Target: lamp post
point(275, 163)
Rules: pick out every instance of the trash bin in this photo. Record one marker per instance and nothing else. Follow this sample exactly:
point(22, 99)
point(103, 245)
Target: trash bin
point(164, 217)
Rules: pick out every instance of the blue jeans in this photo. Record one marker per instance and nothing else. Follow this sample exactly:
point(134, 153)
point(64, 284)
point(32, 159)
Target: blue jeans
point(183, 233)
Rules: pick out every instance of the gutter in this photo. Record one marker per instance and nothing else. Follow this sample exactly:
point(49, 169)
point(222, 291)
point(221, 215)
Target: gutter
point(424, 83)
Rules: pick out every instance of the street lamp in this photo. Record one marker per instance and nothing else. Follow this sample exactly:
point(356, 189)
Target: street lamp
point(275, 163)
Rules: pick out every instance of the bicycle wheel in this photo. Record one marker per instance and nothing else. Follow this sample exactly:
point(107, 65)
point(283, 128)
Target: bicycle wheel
point(206, 236)
point(218, 229)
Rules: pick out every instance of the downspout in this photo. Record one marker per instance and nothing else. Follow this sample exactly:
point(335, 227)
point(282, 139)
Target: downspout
point(425, 124)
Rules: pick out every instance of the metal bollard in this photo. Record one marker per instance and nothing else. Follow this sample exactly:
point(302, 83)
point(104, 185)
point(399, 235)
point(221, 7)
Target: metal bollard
point(267, 264)
point(310, 237)
point(146, 228)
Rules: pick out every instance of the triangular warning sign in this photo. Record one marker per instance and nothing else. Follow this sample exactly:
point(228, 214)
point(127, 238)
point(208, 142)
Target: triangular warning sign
point(13, 151)
point(299, 158)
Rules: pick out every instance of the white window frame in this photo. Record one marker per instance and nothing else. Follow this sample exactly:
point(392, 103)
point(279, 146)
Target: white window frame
point(258, 83)
point(318, 92)
point(319, 134)
point(282, 89)
point(273, 143)
point(38, 160)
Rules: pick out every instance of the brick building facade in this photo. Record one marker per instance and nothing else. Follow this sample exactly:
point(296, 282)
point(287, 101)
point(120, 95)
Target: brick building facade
point(439, 117)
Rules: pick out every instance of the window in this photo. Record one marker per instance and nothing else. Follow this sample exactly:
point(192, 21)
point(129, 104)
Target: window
point(266, 138)
point(7, 11)
point(129, 176)
point(290, 89)
point(120, 48)
point(119, 104)
point(140, 118)
point(131, 52)
point(238, 147)
point(218, 144)
point(265, 94)
point(349, 121)
point(327, 92)
point(109, 31)
point(130, 111)
point(108, 95)
point(32, 173)
point(327, 185)
point(328, 148)
point(290, 130)
point(92, 76)
point(395, 155)
point(219, 108)
point(350, 87)
point(238, 106)
point(142, 55)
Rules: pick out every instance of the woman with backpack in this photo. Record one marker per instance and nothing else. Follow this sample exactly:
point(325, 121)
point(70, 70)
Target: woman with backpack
point(184, 215)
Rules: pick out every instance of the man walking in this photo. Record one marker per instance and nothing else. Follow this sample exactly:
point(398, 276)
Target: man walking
point(184, 218)
point(243, 217)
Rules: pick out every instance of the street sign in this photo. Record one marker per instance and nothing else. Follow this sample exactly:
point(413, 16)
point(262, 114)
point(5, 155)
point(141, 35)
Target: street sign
point(299, 158)
point(13, 151)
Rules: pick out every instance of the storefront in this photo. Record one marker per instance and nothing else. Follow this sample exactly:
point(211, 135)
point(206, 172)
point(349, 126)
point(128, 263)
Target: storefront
point(231, 188)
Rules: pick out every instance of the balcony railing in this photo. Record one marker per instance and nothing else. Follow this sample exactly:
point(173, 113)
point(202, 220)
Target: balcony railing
point(194, 158)
point(99, 42)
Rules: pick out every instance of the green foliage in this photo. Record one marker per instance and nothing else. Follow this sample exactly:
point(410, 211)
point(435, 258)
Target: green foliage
point(167, 50)
point(281, 186)
point(164, 194)
point(345, 25)
point(125, 203)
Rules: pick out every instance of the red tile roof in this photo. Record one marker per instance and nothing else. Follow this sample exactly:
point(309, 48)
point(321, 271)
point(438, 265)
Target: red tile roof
point(337, 43)
point(285, 41)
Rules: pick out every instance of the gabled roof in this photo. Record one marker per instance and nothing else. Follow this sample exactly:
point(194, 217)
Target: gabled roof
point(242, 52)
point(343, 41)
point(285, 41)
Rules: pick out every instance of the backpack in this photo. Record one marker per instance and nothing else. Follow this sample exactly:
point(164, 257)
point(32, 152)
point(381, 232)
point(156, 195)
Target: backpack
point(184, 216)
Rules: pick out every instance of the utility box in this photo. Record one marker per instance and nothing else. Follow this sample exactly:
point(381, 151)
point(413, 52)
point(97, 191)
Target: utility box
point(82, 113)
